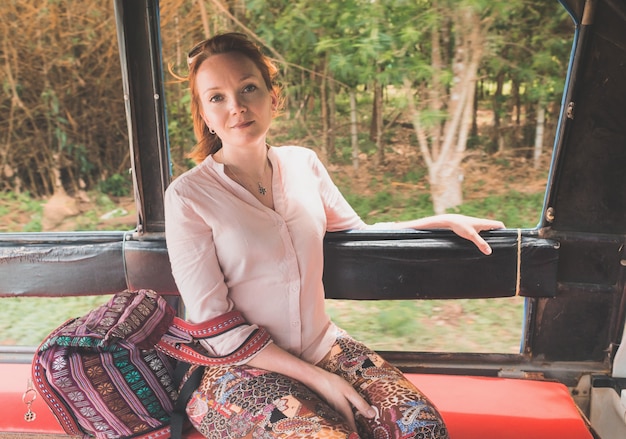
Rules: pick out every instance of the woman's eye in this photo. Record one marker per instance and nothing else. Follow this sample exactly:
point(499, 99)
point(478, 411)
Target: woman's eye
point(249, 88)
point(216, 98)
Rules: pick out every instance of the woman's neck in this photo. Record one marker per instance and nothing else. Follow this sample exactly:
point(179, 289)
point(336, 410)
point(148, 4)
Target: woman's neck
point(252, 162)
point(253, 172)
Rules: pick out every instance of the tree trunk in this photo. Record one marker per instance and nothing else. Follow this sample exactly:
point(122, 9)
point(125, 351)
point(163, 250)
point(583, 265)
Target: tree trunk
point(496, 139)
point(332, 122)
point(516, 130)
point(205, 18)
point(374, 118)
point(324, 113)
point(446, 186)
point(438, 90)
point(354, 130)
point(444, 163)
point(378, 99)
point(477, 93)
point(538, 149)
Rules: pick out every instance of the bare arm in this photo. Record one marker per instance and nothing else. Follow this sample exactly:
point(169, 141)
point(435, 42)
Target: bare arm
point(330, 387)
point(465, 226)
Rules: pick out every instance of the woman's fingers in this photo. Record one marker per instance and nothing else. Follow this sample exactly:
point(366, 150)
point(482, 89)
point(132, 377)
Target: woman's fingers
point(469, 228)
point(354, 399)
point(362, 406)
point(482, 244)
point(342, 397)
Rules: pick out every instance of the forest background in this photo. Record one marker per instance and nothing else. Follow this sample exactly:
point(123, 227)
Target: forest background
point(416, 107)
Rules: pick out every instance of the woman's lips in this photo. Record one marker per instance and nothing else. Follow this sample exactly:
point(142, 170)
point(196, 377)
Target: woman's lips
point(243, 124)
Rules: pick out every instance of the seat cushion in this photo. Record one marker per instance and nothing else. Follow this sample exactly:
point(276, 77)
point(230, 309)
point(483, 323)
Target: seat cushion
point(496, 408)
point(472, 407)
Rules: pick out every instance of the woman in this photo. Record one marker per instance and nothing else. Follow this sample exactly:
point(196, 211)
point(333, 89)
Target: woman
point(244, 231)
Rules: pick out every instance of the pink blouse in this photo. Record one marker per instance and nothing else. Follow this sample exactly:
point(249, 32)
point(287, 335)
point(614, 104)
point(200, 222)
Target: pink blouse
point(228, 251)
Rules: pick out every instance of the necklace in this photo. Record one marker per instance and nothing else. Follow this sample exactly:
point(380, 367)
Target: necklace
point(260, 187)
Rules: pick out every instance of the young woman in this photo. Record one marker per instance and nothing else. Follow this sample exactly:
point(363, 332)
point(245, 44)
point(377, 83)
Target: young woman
point(245, 231)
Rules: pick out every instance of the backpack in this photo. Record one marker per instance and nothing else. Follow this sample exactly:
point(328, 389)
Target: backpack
point(102, 374)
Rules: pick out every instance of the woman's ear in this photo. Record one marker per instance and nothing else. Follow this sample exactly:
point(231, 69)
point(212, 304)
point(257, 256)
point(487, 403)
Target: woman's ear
point(206, 121)
point(204, 118)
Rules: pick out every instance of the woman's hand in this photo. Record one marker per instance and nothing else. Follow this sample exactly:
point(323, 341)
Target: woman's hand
point(341, 396)
point(333, 389)
point(467, 227)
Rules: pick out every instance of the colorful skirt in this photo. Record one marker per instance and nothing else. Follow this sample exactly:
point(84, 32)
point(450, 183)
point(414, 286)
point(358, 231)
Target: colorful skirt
point(244, 402)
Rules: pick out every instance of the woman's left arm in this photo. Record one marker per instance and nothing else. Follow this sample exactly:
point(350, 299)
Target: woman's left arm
point(341, 216)
point(467, 227)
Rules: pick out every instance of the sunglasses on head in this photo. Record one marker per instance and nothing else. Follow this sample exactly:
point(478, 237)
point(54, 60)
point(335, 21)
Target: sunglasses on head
point(230, 39)
point(195, 51)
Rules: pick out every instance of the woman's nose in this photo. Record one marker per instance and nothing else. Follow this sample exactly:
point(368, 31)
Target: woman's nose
point(238, 106)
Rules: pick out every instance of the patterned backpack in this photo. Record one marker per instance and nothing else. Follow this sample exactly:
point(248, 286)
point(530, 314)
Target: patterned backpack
point(102, 376)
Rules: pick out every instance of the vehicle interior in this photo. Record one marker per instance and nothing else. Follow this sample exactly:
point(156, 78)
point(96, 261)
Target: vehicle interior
point(568, 379)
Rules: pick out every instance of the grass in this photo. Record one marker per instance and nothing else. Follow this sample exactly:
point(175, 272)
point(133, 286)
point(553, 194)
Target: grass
point(20, 213)
point(463, 325)
point(26, 321)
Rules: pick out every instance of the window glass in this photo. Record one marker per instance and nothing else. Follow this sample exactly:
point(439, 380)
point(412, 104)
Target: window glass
point(363, 97)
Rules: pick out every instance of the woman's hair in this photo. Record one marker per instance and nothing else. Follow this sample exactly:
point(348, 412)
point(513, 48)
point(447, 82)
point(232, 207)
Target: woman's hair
point(223, 43)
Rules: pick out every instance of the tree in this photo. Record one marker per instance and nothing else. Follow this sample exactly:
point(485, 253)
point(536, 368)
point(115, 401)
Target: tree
point(442, 100)
point(443, 113)
point(64, 127)
point(531, 47)
point(356, 50)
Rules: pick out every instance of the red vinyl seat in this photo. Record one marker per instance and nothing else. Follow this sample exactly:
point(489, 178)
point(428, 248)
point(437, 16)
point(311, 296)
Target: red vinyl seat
point(503, 408)
point(473, 407)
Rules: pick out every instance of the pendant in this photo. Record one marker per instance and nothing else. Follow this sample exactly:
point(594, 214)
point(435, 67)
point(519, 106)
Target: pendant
point(262, 190)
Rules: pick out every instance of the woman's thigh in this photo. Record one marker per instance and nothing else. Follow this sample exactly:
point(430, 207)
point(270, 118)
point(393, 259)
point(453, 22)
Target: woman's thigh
point(402, 410)
point(243, 402)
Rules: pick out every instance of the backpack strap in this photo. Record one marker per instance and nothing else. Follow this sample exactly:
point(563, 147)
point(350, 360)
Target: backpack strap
point(179, 415)
point(178, 343)
point(210, 328)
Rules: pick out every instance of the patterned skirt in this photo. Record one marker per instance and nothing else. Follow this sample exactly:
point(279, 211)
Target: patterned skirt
point(244, 402)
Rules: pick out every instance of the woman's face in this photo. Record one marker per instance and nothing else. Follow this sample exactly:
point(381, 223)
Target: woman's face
point(235, 101)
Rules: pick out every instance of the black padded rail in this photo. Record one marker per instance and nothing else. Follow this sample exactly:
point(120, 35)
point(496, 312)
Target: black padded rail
point(438, 266)
point(61, 264)
point(359, 265)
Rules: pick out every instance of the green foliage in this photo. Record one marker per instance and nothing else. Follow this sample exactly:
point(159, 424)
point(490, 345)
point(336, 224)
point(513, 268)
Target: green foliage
point(63, 103)
point(386, 205)
point(68, 88)
point(117, 185)
point(515, 209)
point(344, 148)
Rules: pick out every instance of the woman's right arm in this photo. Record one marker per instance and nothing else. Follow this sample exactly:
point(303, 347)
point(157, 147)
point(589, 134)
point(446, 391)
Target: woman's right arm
point(336, 391)
point(198, 275)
